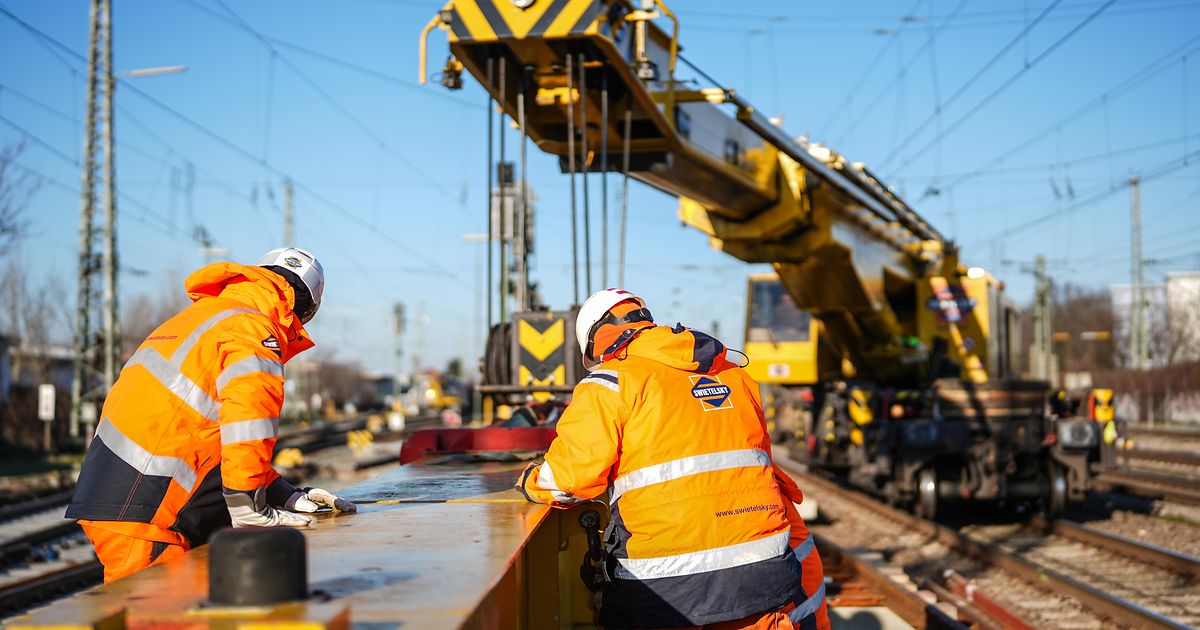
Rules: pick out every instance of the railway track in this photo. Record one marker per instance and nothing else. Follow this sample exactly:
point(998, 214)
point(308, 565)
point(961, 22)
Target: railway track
point(1163, 456)
point(1168, 469)
point(1165, 432)
point(42, 555)
point(1185, 490)
point(1058, 574)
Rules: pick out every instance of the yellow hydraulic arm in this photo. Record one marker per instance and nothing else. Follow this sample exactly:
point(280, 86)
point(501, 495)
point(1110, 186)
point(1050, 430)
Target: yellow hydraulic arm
point(844, 245)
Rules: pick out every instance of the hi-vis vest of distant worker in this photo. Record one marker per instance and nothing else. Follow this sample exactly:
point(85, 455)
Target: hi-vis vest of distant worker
point(702, 525)
point(195, 408)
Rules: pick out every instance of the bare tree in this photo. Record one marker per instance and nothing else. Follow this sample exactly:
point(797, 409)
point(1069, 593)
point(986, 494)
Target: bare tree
point(1078, 310)
point(141, 315)
point(17, 187)
point(33, 315)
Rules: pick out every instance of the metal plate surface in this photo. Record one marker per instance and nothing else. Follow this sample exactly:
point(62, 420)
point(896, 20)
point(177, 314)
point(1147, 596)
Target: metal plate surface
point(412, 564)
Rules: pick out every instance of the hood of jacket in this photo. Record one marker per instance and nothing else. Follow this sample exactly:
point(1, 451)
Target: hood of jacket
point(260, 289)
point(679, 347)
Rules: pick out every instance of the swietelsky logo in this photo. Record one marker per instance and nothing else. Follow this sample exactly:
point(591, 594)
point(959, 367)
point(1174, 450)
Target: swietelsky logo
point(711, 392)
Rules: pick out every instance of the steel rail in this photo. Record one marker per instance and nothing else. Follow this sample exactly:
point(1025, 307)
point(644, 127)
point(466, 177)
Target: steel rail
point(990, 607)
point(25, 508)
point(21, 545)
point(1193, 434)
point(906, 603)
point(1154, 485)
point(39, 588)
point(1118, 609)
point(1173, 561)
point(968, 609)
point(1186, 458)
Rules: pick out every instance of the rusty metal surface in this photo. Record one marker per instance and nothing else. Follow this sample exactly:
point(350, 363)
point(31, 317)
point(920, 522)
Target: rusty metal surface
point(416, 564)
point(856, 583)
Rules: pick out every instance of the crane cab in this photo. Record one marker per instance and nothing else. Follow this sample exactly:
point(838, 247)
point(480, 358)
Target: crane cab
point(781, 339)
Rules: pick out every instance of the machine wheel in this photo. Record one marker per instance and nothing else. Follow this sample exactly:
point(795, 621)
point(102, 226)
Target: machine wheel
point(927, 493)
point(1056, 496)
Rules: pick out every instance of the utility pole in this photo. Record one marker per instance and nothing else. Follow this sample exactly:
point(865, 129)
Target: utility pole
point(1043, 313)
point(399, 319)
point(289, 215)
point(512, 210)
point(97, 327)
point(1138, 349)
point(502, 203)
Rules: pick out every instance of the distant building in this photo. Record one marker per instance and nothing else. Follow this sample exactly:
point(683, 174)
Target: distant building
point(30, 365)
point(1172, 314)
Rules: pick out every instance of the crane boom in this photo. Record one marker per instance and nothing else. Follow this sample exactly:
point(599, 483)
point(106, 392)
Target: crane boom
point(845, 246)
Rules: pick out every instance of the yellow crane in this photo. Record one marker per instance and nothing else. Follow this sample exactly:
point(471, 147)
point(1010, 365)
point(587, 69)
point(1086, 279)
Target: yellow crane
point(600, 85)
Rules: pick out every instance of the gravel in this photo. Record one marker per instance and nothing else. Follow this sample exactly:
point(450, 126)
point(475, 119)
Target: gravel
point(860, 530)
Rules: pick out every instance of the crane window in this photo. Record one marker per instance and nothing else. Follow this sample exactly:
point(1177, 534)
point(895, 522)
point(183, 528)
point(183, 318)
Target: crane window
point(774, 317)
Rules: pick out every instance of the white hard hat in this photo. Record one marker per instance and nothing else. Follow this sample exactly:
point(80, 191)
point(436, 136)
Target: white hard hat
point(307, 270)
point(593, 311)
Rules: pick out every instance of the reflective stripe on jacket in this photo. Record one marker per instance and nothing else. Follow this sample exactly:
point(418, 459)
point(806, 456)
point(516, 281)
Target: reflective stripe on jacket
point(195, 411)
point(700, 529)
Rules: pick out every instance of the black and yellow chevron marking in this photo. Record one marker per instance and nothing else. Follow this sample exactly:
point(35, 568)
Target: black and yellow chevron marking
point(492, 20)
point(543, 353)
point(542, 346)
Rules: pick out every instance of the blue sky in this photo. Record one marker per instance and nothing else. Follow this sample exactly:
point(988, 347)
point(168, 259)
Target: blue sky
point(1034, 146)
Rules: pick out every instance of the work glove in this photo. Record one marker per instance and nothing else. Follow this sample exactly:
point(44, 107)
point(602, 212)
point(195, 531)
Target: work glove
point(313, 499)
point(250, 509)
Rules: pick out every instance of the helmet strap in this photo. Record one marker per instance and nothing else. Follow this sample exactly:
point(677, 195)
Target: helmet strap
point(632, 317)
point(622, 342)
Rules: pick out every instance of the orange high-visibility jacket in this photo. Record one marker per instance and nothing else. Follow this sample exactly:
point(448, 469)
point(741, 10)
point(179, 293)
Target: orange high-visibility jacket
point(702, 526)
point(195, 411)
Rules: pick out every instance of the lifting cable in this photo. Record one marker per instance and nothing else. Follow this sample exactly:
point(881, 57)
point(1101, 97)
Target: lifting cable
point(586, 168)
point(500, 207)
point(522, 222)
point(571, 172)
point(604, 178)
point(488, 194)
point(625, 188)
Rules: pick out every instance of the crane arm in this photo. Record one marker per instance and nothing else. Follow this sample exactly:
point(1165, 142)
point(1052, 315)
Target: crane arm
point(843, 243)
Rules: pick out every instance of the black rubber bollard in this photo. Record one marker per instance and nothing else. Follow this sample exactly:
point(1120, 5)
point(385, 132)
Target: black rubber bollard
point(257, 566)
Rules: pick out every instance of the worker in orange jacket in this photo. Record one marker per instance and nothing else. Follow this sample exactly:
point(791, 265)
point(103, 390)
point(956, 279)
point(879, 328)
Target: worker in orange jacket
point(185, 438)
point(702, 531)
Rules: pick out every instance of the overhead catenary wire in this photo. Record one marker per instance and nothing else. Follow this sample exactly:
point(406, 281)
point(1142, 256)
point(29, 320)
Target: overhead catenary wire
point(879, 96)
point(330, 98)
point(966, 85)
point(121, 142)
point(1009, 13)
point(843, 105)
point(1151, 174)
point(162, 225)
point(339, 61)
point(970, 21)
point(75, 191)
point(238, 149)
point(1004, 86)
point(1122, 87)
point(1094, 157)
